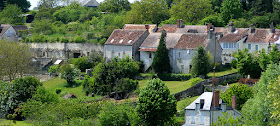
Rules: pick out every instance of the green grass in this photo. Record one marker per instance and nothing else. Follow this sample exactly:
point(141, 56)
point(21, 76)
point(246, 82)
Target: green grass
point(221, 73)
point(4, 122)
point(185, 102)
point(55, 83)
point(173, 86)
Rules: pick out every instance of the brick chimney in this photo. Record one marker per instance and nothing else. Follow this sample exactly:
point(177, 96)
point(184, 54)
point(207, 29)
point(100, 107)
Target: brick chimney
point(233, 102)
point(210, 33)
point(216, 98)
point(147, 26)
point(231, 27)
point(209, 26)
point(179, 23)
point(252, 29)
point(272, 29)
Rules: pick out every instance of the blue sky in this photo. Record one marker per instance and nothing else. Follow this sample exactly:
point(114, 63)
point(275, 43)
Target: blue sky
point(34, 3)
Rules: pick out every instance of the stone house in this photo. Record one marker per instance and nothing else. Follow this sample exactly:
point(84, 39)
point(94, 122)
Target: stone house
point(10, 32)
point(206, 109)
point(124, 42)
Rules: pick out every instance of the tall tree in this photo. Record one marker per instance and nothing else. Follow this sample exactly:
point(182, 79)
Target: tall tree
point(114, 6)
point(155, 105)
point(143, 11)
point(191, 11)
point(23, 4)
point(15, 59)
point(261, 7)
point(161, 61)
point(231, 9)
point(200, 63)
point(11, 15)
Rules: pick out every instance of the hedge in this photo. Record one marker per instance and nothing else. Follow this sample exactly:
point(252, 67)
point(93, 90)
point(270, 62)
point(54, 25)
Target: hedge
point(174, 77)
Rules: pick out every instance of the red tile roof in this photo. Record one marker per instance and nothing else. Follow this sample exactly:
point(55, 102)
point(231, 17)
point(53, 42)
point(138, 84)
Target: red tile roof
point(124, 36)
point(169, 28)
point(191, 41)
point(231, 37)
point(260, 35)
point(140, 26)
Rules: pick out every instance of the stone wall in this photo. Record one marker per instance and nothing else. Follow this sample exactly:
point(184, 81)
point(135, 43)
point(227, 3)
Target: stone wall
point(64, 50)
point(198, 88)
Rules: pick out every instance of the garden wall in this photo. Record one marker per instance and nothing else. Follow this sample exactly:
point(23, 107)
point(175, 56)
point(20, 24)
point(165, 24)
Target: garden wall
point(198, 88)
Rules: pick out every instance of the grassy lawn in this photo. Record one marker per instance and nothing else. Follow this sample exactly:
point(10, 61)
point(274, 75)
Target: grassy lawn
point(4, 122)
point(77, 89)
point(180, 107)
point(221, 73)
point(174, 86)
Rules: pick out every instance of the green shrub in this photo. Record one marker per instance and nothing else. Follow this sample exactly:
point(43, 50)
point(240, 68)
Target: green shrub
point(79, 39)
point(89, 35)
point(174, 77)
point(64, 40)
point(58, 90)
point(194, 81)
point(53, 69)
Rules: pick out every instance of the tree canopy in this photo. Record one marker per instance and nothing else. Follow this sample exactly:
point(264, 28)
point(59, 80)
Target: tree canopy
point(11, 14)
point(23, 4)
point(155, 105)
point(231, 9)
point(114, 6)
point(200, 63)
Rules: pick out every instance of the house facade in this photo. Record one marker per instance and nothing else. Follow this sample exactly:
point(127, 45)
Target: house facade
point(10, 32)
point(206, 109)
point(124, 42)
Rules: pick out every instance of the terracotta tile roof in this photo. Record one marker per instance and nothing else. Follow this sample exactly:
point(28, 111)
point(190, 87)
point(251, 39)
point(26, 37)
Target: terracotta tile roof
point(152, 40)
point(19, 27)
point(149, 49)
point(169, 28)
point(260, 35)
point(124, 36)
point(191, 41)
point(231, 37)
point(5, 27)
point(275, 37)
point(193, 29)
point(140, 26)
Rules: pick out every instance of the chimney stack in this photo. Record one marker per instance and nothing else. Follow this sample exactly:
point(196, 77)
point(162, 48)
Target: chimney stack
point(233, 102)
point(209, 26)
point(216, 98)
point(272, 29)
point(179, 23)
point(231, 27)
point(197, 106)
point(147, 26)
point(252, 29)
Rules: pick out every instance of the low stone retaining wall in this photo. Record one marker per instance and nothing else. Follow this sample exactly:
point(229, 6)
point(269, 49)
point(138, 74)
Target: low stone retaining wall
point(198, 88)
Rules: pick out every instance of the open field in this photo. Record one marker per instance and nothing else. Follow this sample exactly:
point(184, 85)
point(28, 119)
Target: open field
point(5, 122)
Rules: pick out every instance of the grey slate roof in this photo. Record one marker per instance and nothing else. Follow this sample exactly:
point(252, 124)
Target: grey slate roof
point(152, 40)
point(19, 27)
point(5, 27)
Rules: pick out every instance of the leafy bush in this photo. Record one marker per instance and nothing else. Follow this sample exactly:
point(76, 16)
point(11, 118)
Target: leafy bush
point(53, 69)
point(89, 35)
point(173, 77)
point(64, 40)
point(58, 90)
point(79, 39)
point(69, 73)
point(81, 63)
point(194, 81)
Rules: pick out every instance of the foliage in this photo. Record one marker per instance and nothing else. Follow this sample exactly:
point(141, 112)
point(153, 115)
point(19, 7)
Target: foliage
point(94, 58)
point(247, 63)
point(15, 59)
point(173, 77)
point(79, 39)
point(57, 113)
point(121, 115)
point(43, 26)
point(257, 108)
point(113, 77)
point(228, 120)
point(191, 11)
point(231, 9)
point(11, 14)
point(114, 6)
point(273, 94)
point(240, 23)
point(171, 20)
point(69, 73)
point(261, 21)
point(194, 81)
point(242, 93)
point(161, 61)
point(54, 69)
point(15, 93)
point(155, 105)
point(81, 63)
point(23, 4)
point(200, 63)
point(216, 20)
point(58, 90)
point(147, 10)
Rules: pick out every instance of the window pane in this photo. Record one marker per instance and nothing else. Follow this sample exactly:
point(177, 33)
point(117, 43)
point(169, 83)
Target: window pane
point(257, 47)
point(249, 46)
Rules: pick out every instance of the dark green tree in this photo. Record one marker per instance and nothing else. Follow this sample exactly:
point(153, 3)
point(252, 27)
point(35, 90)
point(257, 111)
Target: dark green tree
point(242, 93)
point(23, 4)
point(231, 9)
point(69, 73)
point(200, 63)
point(114, 6)
point(262, 7)
point(11, 14)
point(161, 62)
point(155, 105)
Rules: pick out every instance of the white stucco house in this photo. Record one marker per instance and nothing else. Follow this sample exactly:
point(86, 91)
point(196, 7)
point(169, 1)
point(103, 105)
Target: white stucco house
point(205, 110)
point(124, 42)
point(10, 32)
